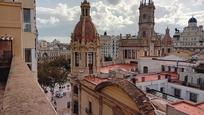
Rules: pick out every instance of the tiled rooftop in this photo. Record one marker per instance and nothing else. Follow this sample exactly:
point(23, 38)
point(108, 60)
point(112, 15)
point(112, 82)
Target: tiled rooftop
point(124, 67)
point(155, 76)
point(95, 80)
point(189, 108)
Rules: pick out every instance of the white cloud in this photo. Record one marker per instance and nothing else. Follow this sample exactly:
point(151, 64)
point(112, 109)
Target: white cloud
point(109, 18)
point(117, 16)
point(51, 20)
point(62, 11)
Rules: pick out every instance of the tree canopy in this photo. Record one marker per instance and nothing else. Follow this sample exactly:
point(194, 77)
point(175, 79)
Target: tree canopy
point(53, 73)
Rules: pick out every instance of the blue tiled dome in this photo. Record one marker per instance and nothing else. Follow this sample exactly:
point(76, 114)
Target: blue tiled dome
point(192, 20)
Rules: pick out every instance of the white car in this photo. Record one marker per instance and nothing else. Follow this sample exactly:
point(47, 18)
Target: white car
point(59, 94)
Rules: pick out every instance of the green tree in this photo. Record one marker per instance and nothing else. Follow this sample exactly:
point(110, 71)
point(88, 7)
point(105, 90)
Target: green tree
point(53, 73)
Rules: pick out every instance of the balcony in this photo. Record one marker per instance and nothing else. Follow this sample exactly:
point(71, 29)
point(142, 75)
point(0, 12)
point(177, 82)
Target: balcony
point(23, 95)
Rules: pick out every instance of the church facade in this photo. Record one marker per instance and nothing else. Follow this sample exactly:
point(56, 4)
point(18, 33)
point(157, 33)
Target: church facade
point(148, 42)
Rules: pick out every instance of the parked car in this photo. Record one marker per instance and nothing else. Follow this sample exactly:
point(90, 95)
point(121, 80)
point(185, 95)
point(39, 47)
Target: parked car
point(59, 94)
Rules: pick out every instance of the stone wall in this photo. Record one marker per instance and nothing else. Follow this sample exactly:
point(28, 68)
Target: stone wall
point(23, 95)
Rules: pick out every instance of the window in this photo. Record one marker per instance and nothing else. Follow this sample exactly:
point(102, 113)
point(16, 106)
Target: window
point(186, 79)
point(158, 52)
point(75, 89)
point(163, 68)
point(162, 89)
point(169, 68)
point(177, 93)
point(90, 58)
point(125, 54)
point(144, 16)
point(77, 58)
point(89, 109)
point(144, 34)
point(145, 53)
point(75, 111)
point(27, 20)
point(145, 69)
point(199, 81)
point(169, 50)
point(28, 55)
point(193, 97)
point(133, 54)
point(162, 51)
point(129, 54)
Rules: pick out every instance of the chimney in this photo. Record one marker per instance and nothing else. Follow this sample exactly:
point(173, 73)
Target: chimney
point(143, 79)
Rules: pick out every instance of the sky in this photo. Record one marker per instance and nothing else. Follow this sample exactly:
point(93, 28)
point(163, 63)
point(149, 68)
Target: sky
point(56, 19)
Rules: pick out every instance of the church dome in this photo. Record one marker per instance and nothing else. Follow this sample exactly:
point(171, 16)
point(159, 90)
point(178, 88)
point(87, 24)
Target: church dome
point(85, 29)
point(192, 20)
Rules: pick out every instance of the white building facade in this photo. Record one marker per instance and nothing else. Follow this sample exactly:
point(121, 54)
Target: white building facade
point(109, 46)
point(192, 37)
point(173, 76)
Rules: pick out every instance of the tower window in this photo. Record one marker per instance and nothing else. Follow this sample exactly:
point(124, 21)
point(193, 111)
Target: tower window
point(77, 58)
point(90, 58)
point(86, 12)
point(144, 33)
point(144, 16)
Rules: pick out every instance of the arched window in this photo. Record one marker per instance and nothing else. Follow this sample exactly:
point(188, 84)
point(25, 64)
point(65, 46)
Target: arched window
point(86, 12)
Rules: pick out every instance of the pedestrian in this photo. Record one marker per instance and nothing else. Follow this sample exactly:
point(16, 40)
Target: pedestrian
point(52, 99)
point(55, 102)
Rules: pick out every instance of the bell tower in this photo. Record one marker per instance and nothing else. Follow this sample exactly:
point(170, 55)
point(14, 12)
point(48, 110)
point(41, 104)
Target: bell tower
point(85, 9)
point(146, 20)
point(85, 54)
point(85, 45)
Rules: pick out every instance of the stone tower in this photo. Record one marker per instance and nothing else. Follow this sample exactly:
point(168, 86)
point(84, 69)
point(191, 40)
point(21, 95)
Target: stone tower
point(85, 54)
point(85, 44)
point(146, 20)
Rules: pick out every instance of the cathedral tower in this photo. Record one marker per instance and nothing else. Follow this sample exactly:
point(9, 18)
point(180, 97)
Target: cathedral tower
point(85, 54)
point(146, 20)
point(85, 44)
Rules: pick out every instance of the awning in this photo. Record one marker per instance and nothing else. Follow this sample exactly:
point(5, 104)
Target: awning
point(5, 37)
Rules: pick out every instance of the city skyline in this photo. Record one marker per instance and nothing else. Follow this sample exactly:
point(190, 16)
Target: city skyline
point(56, 19)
